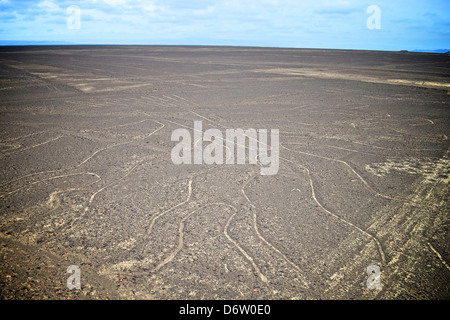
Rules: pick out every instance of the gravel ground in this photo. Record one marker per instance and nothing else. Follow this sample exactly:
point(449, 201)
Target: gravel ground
point(87, 177)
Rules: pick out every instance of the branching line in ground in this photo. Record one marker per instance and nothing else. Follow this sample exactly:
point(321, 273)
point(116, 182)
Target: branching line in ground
point(351, 169)
point(181, 236)
point(243, 252)
point(33, 146)
point(180, 244)
point(82, 162)
point(91, 199)
point(49, 179)
point(159, 215)
point(313, 194)
point(271, 246)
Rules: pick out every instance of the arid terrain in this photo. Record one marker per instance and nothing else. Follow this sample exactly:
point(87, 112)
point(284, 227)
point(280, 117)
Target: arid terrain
point(87, 177)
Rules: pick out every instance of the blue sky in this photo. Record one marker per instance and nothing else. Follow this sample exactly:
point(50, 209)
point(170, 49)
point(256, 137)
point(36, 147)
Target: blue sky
point(338, 24)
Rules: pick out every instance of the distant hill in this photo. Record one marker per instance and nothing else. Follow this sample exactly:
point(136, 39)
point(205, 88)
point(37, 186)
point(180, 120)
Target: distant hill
point(433, 51)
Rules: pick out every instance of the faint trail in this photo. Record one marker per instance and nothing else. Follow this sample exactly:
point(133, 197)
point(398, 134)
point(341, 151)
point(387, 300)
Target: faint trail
point(64, 169)
point(422, 124)
point(159, 101)
point(42, 143)
point(313, 194)
point(244, 253)
point(207, 119)
point(383, 148)
point(351, 150)
point(334, 147)
point(175, 102)
point(181, 236)
point(25, 136)
point(186, 100)
point(255, 226)
point(9, 146)
point(54, 202)
point(362, 144)
point(28, 175)
point(121, 143)
point(98, 151)
point(91, 199)
point(197, 114)
point(179, 246)
point(351, 169)
point(16, 150)
point(125, 124)
point(169, 210)
point(88, 158)
point(49, 179)
point(156, 130)
point(439, 256)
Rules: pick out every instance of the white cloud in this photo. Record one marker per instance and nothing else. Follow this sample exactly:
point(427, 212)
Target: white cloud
point(207, 11)
point(113, 3)
point(116, 3)
point(340, 23)
point(97, 15)
point(49, 6)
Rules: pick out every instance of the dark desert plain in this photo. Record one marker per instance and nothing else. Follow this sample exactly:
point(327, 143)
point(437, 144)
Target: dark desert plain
point(87, 177)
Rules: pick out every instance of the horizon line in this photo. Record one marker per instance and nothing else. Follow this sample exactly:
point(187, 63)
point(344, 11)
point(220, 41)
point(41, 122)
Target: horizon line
point(30, 43)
